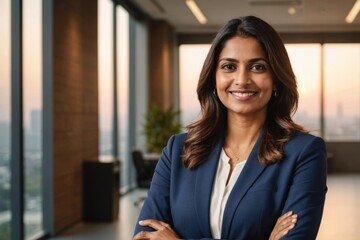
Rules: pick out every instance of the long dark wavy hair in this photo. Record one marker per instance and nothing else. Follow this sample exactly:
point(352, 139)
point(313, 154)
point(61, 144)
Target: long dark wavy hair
point(279, 127)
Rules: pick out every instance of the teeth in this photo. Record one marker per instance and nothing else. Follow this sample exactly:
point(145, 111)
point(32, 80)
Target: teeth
point(239, 94)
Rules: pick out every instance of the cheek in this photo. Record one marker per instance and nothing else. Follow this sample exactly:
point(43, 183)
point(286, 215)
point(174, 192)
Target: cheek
point(221, 86)
point(221, 81)
point(217, 79)
point(268, 94)
point(269, 90)
point(266, 84)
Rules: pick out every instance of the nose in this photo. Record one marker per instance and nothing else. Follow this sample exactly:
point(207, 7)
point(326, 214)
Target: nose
point(242, 77)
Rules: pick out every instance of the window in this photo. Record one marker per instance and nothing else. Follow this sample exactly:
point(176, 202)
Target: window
point(191, 60)
point(32, 115)
point(123, 92)
point(342, 92)
point(306, 63)
point(106, 75)
point(5, 119)
point(32, 112)
point(114, 73)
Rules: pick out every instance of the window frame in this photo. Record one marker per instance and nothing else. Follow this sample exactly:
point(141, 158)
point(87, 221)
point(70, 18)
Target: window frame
point(17, 146)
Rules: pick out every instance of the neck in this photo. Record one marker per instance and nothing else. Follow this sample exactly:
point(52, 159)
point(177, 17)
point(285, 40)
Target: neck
point(243, 131)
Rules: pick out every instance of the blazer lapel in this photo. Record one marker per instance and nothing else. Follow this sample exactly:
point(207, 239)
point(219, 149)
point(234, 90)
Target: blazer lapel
point(248, 176)
point(205, 174)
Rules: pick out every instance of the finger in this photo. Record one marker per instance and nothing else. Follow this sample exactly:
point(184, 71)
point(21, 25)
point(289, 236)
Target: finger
point(286, 215)
point(155, 224)
point(285, 218)
point(282, 233)
point(281, 229)
point(284, 224)
point(287, 222)
point(143, 235)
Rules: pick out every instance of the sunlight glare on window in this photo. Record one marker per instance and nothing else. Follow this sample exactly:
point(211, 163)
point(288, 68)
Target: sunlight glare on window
point(123, 91)
point(32, 112)
point(106, 76)
point(5, 119)
point(191, 60)
point(306, 61)
point(342, 92)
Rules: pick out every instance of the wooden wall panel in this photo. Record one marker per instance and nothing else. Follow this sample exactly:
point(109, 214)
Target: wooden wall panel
point(75, 103)
point(161, 72)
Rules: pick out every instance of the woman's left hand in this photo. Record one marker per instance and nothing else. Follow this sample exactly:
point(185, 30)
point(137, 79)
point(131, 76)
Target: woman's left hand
point(163, 231)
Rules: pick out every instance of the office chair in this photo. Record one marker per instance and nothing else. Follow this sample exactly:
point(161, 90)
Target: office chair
point(144, 172)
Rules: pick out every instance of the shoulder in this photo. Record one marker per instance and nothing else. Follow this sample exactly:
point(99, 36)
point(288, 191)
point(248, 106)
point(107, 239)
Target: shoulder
point(303, 139)
point(177, 139)
point(302, 143)
point(175, 145)
point(180, 137)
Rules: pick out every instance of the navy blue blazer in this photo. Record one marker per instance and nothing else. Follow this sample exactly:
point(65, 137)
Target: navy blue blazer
point(181, 197)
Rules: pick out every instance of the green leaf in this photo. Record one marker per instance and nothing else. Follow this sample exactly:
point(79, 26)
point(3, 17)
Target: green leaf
point(159, 126)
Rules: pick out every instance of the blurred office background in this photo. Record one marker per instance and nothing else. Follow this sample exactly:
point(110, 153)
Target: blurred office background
point(77, 78)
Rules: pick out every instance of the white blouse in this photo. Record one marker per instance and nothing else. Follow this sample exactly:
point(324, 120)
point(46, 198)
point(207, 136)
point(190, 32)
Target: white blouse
point(221, 191)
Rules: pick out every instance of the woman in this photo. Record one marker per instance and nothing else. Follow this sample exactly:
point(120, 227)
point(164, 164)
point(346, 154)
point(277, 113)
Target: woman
point(245, 162)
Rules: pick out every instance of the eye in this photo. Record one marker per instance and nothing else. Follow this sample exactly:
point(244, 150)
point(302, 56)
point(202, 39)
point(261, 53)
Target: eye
point(228, 67)
point(258, 67)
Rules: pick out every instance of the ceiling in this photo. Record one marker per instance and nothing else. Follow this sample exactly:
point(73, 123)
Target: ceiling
point(310, 15)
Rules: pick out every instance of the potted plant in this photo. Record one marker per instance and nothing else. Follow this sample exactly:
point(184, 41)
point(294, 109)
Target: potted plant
point(159, 126)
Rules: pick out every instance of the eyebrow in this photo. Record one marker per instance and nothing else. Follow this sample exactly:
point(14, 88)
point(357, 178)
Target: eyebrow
point(235, 60)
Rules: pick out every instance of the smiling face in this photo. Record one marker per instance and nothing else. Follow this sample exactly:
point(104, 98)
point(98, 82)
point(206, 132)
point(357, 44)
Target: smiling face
point(244, 80)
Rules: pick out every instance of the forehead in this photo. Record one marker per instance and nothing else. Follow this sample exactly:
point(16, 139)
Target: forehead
point(242, 47)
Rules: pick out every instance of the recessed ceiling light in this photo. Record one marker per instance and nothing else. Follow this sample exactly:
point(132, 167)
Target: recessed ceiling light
point(196, 11)
point(353, 12)
point(291, 10)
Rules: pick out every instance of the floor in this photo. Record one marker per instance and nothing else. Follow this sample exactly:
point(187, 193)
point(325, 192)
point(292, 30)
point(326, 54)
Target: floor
point(342, 209)
point(118, 230)
point(340, 219)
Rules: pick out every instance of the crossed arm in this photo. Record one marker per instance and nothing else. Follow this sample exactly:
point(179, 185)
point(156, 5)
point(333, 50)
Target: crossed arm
point(163, 231)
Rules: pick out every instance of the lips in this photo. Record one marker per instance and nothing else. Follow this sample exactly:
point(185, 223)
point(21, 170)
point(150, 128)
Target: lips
point(243, 95)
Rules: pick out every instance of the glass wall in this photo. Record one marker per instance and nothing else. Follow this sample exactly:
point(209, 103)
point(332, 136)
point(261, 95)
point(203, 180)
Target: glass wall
point(306, 63)
point(32, 115)
point(106, 85)
point(5, 118)
point(342, 92)
point(122, 69)
point(191, 59)
point(106, 75)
